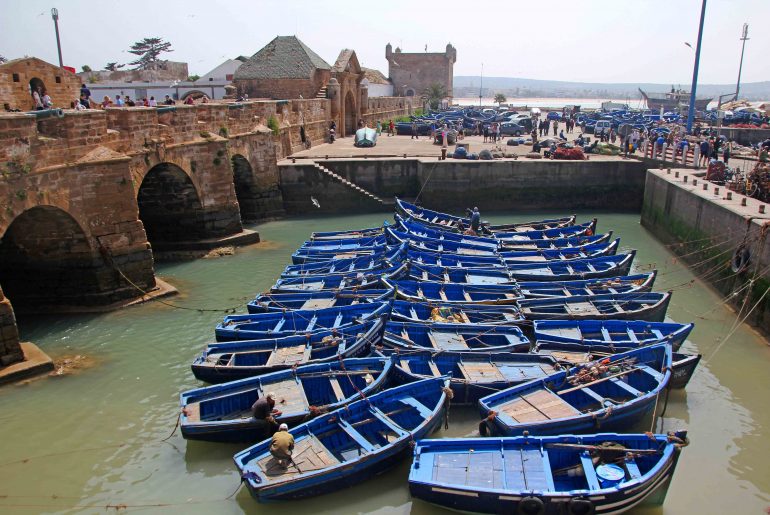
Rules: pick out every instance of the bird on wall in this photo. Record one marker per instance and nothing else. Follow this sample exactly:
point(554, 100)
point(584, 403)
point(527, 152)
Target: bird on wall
point(315, 202)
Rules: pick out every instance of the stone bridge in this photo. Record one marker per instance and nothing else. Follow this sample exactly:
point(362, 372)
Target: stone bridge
point(86, 196)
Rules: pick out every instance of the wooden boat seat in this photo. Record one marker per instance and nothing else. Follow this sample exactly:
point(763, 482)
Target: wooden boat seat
point(318, 304)
point(337, 389)
point(434, 369)
point(484, 279)
point(423, 410)
point(442, 294)
point(532, 259)
point(289, 355)
point(632, 335)
point(345, 255)
point(566, 332)
point(595, 396)
point(356, 436)
point(309, 455)
point(481, 372)
point(385, 419)
point(589, 471)
point(464, 317)
point(279, 325)
point(446, 341)
point(538, 406)
point(627, 387)
point(467, 297)
point(581, 308)
point(404, 363)
point(633, 469)
point(575, 357)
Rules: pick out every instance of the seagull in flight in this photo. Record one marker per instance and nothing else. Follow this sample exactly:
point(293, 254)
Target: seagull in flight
point(315, 202)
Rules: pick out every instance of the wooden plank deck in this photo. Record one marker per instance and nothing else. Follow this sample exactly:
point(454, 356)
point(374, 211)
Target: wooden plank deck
point(287, 356)
point(481, 372)
point(318, 303)
point(289, 396)
point(309, 455)
point(538, 406)
point(448, 341)
point(581, 308)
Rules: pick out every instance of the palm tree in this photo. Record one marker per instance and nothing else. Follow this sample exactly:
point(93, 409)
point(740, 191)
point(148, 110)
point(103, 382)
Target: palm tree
point(434, 94)
point(499, 99)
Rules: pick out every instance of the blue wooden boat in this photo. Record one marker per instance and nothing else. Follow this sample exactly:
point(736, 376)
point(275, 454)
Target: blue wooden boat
point(348, 265)
point(425, 291)
point(328, 282)
point(683, 365)
point(228, 361)
point(438, 337)
point(222, 413)
point(626, 334)
point(605, 473)
point(449, 222)
point(309, 255)
point(454, 313)
point(365, 137)
point(650, 306)
point(346, 446)
point(593, 268)
point(259, 326)
point(445, 274)
point(473, 374)
point(563, 254)
point(347, 234)
point(622, 284)
point(457, 246)
point(624, 391)
point(451, 259)
point(411, 227)
point(278, 302)
point(342, 244)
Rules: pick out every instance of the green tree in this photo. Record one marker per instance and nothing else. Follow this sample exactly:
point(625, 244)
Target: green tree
point(499, 99)
point(86, 68)
point(193, 78)
point(148, 51)
point(434, 94)
point(113, 67)
point(2, 59)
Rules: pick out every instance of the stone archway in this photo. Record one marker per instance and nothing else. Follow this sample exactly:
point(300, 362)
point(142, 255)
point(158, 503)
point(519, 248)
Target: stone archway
point(46, 259)
point(169, 206)
point(246, 189)
point(350, 114)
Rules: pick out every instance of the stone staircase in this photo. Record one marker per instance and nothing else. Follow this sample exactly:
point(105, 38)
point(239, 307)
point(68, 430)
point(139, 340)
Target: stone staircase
point(321, 93)
point(353, 186)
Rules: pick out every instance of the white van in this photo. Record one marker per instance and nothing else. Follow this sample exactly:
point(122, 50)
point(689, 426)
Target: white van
point(602, 127)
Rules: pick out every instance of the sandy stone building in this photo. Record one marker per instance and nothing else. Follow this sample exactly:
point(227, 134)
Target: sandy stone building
point(19, 77)
point(413, 73)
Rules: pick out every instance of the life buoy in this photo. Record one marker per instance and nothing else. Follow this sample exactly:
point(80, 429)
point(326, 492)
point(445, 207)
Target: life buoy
point(531, 506)
point(579, 506)
point(740, 260)
point(60, 113)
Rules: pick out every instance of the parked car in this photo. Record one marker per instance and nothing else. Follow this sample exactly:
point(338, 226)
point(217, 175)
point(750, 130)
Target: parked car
point(513, 129)
point(602, 127)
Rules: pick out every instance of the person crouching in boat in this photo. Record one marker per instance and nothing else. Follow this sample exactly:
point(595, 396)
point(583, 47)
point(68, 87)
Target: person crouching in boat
point(264, 413)
point(282, 445)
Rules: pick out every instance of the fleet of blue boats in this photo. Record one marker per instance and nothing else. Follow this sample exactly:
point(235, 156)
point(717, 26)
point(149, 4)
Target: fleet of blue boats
point(370, 334)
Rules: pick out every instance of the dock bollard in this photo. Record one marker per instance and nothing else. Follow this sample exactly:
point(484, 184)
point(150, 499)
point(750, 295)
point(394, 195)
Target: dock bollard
point(695, 182)
point(729, 195)
point(705, 186)
point(762, 209)
point(676, 174)
point(668, 172)
point(716, 191)
point(685, 179)
point(743, 201)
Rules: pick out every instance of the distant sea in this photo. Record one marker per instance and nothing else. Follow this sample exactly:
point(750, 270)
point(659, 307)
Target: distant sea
point(586, 103)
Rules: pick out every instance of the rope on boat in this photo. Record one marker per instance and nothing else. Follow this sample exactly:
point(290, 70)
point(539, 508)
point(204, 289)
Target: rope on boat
point(426, 182)
point(176, 426)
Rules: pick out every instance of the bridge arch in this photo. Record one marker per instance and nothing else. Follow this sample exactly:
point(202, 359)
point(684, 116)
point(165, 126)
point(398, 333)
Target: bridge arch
point(247, 190)
point(170, 205)
point(350, 114)
point(48, 259)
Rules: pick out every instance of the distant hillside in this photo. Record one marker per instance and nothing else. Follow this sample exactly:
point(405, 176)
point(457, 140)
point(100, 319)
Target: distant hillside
point(467, 86)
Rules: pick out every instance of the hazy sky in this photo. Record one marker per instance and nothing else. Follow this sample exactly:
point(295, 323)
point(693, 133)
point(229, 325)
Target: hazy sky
point(575, 40)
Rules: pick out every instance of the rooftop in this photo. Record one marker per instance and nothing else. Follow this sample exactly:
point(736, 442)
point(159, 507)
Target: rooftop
point(285, 57)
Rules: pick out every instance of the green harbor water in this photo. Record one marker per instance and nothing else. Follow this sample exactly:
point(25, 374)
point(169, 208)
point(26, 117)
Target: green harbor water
point(91, 442)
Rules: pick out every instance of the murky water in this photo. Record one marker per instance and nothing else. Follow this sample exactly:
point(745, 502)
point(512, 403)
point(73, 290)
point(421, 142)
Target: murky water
point(91, 442)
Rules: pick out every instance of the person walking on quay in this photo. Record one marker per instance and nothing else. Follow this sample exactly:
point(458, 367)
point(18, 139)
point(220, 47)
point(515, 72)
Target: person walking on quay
point(555, 126)
point(414, 131)
point(726, 151)
point(486, 133)
point(379, 127)
point(282, 445)
point(705, 151)
point(391, 128)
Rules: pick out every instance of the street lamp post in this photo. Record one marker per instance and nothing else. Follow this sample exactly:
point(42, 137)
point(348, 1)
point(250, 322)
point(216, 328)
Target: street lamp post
point(481, 83)
point(55, 16)
point(744, 38)
point(691, 110)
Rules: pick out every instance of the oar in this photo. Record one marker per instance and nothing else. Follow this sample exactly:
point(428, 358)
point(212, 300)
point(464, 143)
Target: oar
point(599, 448)
point(580, 387)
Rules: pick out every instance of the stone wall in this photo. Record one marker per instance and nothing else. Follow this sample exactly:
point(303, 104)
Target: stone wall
point(745, 136)
point(387, 108)
point(415, 72)
point(278, 89)
point(15, 76)
point(710, 228)
point(492, 185)
point(10, 350)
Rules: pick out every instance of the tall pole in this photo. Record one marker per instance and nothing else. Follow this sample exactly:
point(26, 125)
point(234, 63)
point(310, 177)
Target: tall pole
point(481, 83)
point(744, 38)
point(691, 110)
point(55, 16)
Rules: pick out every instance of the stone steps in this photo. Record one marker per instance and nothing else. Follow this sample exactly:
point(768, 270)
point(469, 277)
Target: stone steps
point(321, 93)
point(351, 185)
